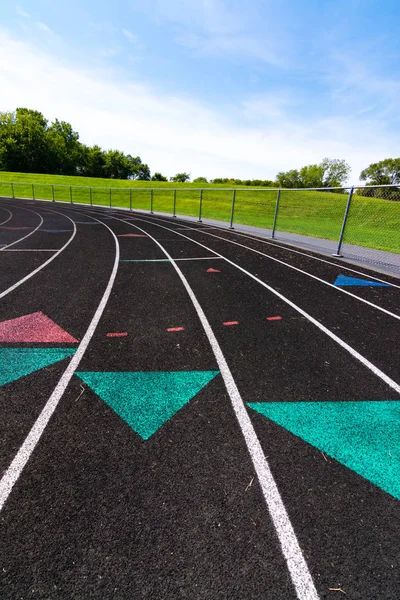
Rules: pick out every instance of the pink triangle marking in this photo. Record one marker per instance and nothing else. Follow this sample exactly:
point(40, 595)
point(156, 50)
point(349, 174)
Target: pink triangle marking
point(131, 235)
point(211, 270)
point(35, 327)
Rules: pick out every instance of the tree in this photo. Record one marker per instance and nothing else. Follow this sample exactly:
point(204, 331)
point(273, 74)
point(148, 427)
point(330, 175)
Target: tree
point(290, 179)
point(331, 172)
point(336, 172)
point(158, 177)
point(385, 172)
point(64, 149)
point(200, 180)
point(180, 177)
point(23, 144)
point(29, 144)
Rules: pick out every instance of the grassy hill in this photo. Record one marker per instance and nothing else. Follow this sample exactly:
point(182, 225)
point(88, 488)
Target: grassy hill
point(373, 222)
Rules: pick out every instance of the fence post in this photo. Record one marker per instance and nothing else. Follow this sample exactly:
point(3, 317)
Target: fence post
point(130, 199)
point(174, 215)
point(276, 213)
point(232, 209)
point(12, 190)
point(151, 202)
point(52, 193)
point(110, 198)
point(70, 193)
point(346, 214)
point(201, 205)
point(33, 192)
point(91, 199)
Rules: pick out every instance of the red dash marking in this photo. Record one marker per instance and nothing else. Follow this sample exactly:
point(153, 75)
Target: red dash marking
point(130, 218)
point(175, 329)
point(132, 235)
point(117, 334)
point(231, 323)
point(211, 270)
point(274, 318)
point(35, 327)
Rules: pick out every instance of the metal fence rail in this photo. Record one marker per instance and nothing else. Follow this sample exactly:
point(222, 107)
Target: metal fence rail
point(366, 217)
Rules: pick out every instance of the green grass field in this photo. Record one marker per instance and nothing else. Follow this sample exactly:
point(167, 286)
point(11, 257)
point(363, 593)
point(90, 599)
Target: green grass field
point(373, 222)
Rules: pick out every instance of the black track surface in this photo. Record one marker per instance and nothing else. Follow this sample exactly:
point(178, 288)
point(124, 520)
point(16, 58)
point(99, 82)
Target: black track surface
point(99, 513)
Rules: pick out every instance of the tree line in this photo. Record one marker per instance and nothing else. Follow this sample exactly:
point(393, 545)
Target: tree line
point(30, 144)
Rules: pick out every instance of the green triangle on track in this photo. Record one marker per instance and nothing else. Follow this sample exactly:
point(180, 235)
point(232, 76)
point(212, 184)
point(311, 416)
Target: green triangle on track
point(147, 400)
point(19, 362)
point(364, 436)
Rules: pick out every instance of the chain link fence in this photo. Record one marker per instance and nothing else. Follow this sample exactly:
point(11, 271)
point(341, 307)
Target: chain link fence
point(361, 222)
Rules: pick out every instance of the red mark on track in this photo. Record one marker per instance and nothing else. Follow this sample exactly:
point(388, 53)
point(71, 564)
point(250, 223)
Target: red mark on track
point(211, 270)
point(117, 334)
point(176, 329)
point(130, 218)
point(228, 323)
point(132, 235)
point(35, 327)
point(274, 318)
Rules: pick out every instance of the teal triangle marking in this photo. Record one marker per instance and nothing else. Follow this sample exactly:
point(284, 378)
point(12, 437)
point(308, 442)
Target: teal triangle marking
point(344, 280)
point(147, 400)
point(363, 435)
point(19, 362)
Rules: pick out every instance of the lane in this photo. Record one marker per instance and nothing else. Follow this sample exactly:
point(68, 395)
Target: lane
point(13, 230)
point(326, 272)
point(8, 215)
point(120, 516)
point(369, 332)
point(344, 547)
point(66, 293)
point(13, 264)
point(195, 515)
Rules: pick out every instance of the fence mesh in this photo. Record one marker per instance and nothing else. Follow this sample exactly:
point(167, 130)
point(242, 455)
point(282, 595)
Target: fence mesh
point(255, 207)
point(312, 213)
point(373, 220)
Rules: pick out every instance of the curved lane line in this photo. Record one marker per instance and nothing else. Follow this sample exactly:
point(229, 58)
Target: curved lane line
point(21, 281)
point(255, 238)
point(9, 211)
point(339, 289)
point(297, 566)
point(30, 233)
point(15, 469)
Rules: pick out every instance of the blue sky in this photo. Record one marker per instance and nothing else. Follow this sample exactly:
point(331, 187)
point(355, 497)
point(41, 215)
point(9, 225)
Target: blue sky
point(212, 87)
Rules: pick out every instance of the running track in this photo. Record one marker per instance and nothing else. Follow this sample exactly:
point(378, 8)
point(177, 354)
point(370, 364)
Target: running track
point(222, 501)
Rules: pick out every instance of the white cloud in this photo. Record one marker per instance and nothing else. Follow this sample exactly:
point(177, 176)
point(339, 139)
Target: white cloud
point(174, 134)
point(21, 12)
point(133, 39)
point(222, 28)
point(44, 28)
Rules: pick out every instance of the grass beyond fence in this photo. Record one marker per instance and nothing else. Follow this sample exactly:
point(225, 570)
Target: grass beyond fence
point(373, 222)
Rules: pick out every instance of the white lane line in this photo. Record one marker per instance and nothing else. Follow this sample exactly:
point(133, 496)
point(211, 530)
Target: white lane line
point(28, 234)
point(199, 258)
point(298, 569)
point(256, 238)
point(390, 382)
point(10, 213)
point(48, 261)
point(15, 469)
point(289, 266)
